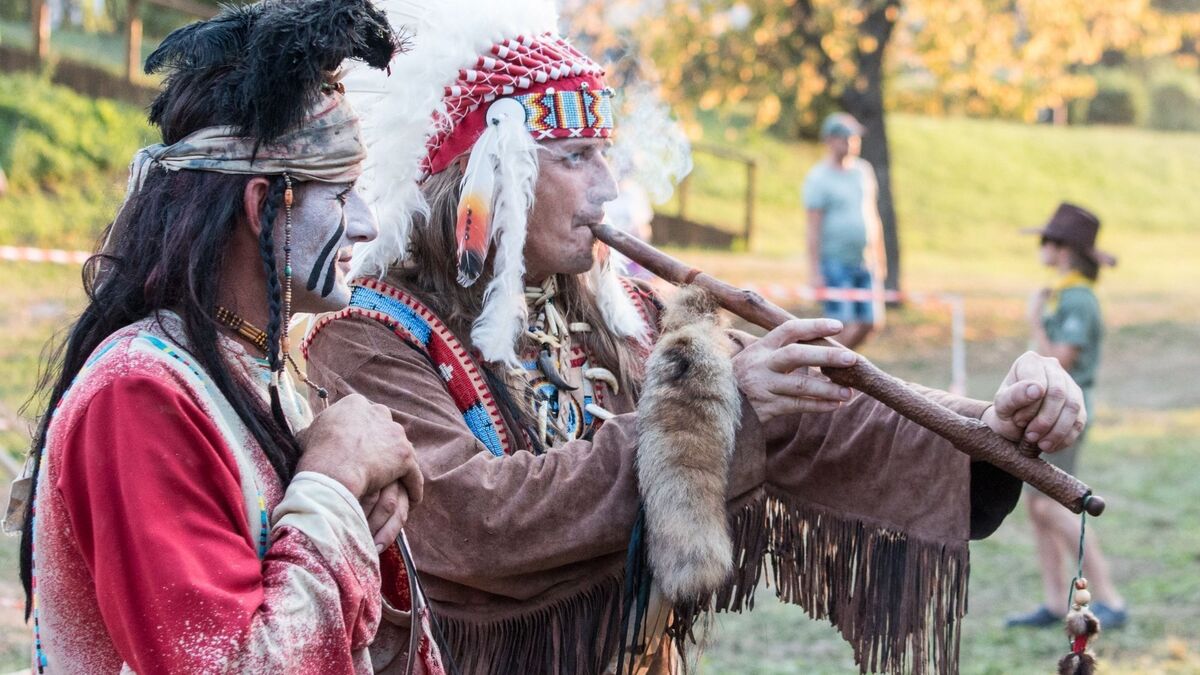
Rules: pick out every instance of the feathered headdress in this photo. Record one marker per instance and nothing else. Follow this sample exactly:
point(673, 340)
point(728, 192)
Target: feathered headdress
point(489, 79)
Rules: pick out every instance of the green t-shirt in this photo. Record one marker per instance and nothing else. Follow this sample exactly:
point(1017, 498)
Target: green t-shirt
point(846, 200)
point(1076, 321)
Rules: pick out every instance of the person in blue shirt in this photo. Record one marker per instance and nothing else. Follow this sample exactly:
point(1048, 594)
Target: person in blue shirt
point(845, 233)
point(1065, 323)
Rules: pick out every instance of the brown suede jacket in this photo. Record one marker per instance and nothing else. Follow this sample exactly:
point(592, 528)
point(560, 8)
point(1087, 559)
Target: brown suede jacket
point(857, 512)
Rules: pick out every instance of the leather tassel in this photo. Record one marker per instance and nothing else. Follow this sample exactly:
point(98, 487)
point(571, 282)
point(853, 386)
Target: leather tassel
point(1081, 627)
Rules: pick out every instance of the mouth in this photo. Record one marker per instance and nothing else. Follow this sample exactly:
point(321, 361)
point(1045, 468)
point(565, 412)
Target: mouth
point(589, 224)
point(344, 259)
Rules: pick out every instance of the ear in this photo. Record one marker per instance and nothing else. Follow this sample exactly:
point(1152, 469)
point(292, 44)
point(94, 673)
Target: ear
point(253, 199)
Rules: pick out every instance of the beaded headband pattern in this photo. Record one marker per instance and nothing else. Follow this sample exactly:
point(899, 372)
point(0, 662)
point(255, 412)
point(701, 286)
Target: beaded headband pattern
point(562, 91)
point(484, 82)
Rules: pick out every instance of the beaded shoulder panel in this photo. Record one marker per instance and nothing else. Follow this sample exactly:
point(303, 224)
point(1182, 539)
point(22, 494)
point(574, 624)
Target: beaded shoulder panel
point(418, 326)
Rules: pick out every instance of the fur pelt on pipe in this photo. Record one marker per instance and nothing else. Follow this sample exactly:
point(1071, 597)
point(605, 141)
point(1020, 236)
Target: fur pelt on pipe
point(687, 417)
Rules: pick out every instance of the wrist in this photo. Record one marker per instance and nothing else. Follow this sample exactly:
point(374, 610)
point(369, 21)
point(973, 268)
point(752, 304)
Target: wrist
point(988, 413)
point(348, 476)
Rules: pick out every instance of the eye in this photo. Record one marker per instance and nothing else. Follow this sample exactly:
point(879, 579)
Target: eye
point(344, 195)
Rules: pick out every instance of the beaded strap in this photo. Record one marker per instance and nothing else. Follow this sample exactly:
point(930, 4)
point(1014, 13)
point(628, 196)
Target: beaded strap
point(418, 326)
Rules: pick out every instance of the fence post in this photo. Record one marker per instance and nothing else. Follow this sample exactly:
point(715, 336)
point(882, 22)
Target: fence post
point(751, 189)
point(133, 33)
point(39, 18)
point(958, 345)
point(682, 191)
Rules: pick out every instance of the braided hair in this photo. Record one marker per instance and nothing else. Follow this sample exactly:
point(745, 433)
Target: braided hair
point(275, 327)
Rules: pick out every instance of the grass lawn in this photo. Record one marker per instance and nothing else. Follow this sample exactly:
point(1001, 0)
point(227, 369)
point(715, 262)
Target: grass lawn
point(963, 188)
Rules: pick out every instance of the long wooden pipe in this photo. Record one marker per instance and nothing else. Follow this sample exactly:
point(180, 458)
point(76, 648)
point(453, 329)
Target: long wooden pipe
point(969, 435)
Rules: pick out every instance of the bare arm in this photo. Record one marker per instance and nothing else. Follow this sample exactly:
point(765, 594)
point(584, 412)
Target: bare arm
point(876, 253)
point(876, 249)
point(1065, 353)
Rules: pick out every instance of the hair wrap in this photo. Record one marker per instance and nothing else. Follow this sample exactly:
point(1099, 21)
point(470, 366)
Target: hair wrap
point(326, 147)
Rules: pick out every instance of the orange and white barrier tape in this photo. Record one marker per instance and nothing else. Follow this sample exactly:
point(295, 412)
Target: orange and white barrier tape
point(774, 291)
point(784, 293)
point(43, 255)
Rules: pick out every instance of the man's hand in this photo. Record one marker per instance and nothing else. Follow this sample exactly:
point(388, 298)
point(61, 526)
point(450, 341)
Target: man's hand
point(387, 511)
point(778, 376)
point(357, 443)
point(1039, 402)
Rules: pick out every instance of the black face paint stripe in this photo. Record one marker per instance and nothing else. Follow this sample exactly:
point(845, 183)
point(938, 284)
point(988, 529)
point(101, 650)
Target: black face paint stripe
point(315, 275)
point(329, 277)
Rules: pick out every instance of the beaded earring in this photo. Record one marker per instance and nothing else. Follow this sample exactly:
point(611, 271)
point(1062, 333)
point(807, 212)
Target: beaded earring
point(288, 200)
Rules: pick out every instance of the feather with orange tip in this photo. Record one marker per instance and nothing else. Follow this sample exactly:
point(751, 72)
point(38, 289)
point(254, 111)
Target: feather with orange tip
point(473, 231)
point(472, 234)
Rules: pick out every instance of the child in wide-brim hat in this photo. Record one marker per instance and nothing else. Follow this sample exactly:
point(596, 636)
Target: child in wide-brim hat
point(1066, 323)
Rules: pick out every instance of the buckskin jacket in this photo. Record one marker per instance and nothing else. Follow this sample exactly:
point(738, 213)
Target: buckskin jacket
point(859, 516)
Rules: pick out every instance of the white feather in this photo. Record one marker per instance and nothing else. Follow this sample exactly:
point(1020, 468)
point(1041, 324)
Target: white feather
point(397, 110)
point(616, 306)
point(504, 315)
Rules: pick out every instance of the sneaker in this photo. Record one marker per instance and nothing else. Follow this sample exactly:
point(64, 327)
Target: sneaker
point(1109, 617)
point(1041, 617)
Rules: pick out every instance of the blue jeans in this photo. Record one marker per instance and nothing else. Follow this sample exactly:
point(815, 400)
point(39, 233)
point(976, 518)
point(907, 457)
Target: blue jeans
point(840, 275)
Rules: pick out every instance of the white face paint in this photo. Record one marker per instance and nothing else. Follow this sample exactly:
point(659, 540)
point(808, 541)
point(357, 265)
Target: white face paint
point(327, 220)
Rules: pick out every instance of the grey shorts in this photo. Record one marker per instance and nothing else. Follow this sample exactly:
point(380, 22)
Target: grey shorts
point(1065, 459)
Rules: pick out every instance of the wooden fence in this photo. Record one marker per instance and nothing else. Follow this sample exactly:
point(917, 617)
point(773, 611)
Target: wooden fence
point(39, 13)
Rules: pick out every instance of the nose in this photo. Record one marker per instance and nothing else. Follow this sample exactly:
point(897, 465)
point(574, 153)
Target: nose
point(361, 225)
point(604, 183)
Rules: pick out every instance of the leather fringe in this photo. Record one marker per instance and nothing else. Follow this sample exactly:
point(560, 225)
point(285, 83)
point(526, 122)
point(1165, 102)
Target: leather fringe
point(896, 599)
point(577, 635)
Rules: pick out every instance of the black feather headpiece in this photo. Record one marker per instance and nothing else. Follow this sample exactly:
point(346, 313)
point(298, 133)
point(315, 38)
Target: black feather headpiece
point(260, 67)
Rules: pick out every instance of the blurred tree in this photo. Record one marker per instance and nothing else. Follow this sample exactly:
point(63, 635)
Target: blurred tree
point(1012, 58)
point(786, 63)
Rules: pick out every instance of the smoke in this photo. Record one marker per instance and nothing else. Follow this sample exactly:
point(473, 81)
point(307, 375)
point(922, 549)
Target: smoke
point(650, 147)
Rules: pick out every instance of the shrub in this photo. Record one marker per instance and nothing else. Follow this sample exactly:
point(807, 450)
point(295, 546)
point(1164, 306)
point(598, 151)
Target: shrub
point(65, 156)
point(1112, 106)
point(1172, 108)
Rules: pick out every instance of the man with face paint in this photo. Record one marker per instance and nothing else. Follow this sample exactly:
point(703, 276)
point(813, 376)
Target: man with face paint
point(323, 259)
point(598, 468)
point(189, 514)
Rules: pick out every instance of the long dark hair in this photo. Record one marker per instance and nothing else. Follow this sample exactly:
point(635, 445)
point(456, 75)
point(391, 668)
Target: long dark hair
point(165, 253)
point(1085, 264)
point(1081, 261)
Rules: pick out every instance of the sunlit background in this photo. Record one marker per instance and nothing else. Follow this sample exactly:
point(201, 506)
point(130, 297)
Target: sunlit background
point(982, 115)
